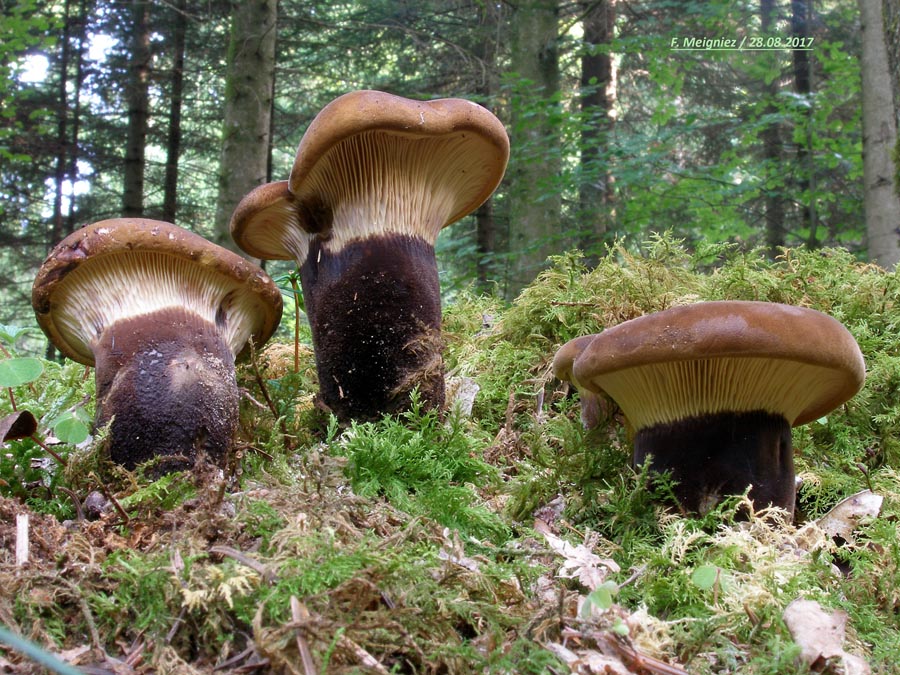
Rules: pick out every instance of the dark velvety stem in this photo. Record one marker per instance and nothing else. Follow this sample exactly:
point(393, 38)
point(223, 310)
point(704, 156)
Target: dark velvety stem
point(718, 455)
point(375, 312)
point(167, 378)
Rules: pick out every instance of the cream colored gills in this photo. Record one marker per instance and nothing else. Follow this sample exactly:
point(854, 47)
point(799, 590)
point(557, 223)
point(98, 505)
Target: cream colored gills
point(121, 286)
point(663, 393)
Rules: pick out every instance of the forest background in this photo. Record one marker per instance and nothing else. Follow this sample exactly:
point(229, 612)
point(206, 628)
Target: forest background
point(625, 117)
point(408, 544)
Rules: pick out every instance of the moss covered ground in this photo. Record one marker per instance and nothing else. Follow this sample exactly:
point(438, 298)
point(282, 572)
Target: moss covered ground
point(503, 540)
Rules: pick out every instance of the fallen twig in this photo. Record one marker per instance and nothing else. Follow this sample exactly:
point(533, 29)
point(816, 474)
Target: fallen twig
point(300, 615)
point(21, 539)
point(364, 657)
point(631, 657)
point(267, 574)
point(109, 495)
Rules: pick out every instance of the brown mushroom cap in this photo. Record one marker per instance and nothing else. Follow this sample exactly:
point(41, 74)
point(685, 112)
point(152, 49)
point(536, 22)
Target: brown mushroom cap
point(371, 162)
point(724, 356)
point(564, 360)
point(267, 224)
point(128, 267)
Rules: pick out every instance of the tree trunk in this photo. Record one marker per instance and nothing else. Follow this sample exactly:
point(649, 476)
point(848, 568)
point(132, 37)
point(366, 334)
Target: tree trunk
point(72, 172)
point(248, 101)
point(138, 96)
point(535, 203)
point(173, 142)
point(881, 203)
point(771, 138)
point(597, 99)
point(62, 122)
point(485, 50)
point(801, 13)
point(486, 244)
point(891, 22)
point(57, 228)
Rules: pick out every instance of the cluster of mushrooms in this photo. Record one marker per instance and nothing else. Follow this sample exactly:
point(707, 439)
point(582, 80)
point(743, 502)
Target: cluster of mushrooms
point(162, 314)
point(711, 390)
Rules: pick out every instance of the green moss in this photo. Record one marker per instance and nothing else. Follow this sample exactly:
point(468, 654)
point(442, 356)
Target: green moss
point(325, 564)
point(143, 595)
point(423, 466)
point(260, 520)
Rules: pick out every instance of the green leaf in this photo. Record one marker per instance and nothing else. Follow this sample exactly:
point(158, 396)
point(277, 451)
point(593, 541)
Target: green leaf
point(601, 597)
point(620, 627)
point(70, 429)
point(9, 334)
point(705, 576)
point(18, 371)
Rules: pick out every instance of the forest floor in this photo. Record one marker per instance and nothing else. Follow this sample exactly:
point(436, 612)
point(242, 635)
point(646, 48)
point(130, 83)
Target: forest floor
point(502, 537)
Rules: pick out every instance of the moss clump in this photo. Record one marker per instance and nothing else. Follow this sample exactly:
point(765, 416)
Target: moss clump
point(424, 466)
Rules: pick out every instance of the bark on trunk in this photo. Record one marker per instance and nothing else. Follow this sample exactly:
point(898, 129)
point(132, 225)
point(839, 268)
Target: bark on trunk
point(535, 202)
point(485, 223)
point(248, 102)
point(891, 22)
point(771, 137)
point(882, 205)
point(173, 142)
point(138, 96)
point(597, 99)
point(800, 19)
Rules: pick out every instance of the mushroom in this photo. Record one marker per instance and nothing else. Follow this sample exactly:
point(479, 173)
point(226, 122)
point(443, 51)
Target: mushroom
point(713, 389)
point(376, 178)
point(562, 370)
point(161, 314)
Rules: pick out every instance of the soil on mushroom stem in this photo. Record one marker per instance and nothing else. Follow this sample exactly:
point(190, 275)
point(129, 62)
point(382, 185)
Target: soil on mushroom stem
point(375, 313)
point(167, 380)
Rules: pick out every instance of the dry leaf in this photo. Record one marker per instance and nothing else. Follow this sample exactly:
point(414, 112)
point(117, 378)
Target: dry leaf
point(580, 562)
point(21, 424)
point(820, 635)
point(588, 661)
point(847, 515)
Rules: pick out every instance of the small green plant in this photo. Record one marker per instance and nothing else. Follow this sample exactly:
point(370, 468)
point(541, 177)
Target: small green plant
point(260, 519)
point(289, 284)
point(164, 493)
point(424, 466)
point(56, 396)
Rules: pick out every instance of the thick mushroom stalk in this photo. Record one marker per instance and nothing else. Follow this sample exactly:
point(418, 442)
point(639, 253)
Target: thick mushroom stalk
point(375, 179)
point(161, 314)
point(713, 389)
